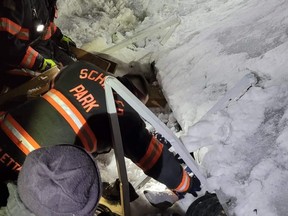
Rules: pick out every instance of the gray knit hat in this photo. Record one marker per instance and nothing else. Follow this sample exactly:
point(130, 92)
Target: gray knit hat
point(60, 180)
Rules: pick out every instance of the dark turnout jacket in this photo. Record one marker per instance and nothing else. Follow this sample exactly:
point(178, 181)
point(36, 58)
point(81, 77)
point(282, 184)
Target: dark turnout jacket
point(19, 38)
point(74, 112)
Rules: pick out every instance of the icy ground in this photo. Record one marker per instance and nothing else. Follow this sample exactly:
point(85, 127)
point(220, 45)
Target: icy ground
point(216, 43)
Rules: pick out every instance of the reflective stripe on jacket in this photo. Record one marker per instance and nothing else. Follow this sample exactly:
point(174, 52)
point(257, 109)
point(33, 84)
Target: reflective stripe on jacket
point(74, 112)
point(18, 29)
point(152, 155)
point(73, 117)
point(18, 135)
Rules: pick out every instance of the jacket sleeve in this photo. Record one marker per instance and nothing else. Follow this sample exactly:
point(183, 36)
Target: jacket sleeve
point(57, 35)
point(15, 50)
point(153, 157)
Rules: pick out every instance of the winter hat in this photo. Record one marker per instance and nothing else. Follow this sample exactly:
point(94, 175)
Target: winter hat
point(60, 180)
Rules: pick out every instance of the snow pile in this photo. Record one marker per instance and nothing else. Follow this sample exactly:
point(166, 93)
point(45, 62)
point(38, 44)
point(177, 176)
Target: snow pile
point(216, 44)
point(247, 158)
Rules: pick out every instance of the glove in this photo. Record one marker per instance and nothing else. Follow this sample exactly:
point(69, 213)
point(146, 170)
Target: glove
point(65, 42)
point(47, 64)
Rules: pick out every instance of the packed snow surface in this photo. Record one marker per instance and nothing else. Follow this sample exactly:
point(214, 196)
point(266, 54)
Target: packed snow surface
point(216, 43)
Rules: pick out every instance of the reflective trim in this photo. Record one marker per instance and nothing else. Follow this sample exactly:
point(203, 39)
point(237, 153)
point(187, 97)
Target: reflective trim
point(2, 116)
point(29, 59)
point(14, 29)
point(23, 34)
point(51, 29)
point(185, 182)
point(18, 135)
point(152, 155)
point(73, 117)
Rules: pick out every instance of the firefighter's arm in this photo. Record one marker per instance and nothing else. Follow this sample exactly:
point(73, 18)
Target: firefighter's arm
point(14, 50)
point(139, 144)
point(62, 40)
point(155, 159)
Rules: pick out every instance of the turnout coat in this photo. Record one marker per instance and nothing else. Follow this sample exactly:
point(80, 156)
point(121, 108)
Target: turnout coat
point(20, 41)
point(74, 112)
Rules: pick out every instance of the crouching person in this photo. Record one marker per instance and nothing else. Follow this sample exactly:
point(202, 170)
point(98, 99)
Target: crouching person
point(54, 181)
point(74, 111)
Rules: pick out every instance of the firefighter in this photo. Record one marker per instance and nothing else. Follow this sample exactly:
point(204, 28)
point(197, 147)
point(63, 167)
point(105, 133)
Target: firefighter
point(29, 38)
point(74, 111)
point(48, 184)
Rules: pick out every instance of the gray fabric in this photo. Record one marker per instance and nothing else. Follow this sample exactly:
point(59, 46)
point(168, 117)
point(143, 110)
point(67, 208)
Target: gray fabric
point(59, 181)
point(15, 205)
point(3, 211)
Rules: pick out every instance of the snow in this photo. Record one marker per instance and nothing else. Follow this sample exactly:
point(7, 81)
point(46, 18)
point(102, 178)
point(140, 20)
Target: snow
point(215, 45)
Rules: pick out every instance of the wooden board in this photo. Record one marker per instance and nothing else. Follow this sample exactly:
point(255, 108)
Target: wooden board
point(116, 208)
point(105, 64)
point(32, 88)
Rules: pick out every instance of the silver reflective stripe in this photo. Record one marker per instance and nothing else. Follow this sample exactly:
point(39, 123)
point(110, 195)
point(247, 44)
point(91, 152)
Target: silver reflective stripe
point(18, 135)
point(14, 29)
point(66, 109)
point(186, 182)
point(73, 117)
point(9, 28)
point(29, 59)
point(23, 35)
